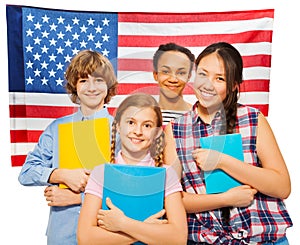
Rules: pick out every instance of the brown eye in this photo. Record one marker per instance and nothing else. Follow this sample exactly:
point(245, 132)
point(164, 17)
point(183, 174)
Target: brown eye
point(221, 79)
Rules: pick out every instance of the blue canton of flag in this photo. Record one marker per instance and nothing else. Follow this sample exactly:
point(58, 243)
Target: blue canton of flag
point(51, 38)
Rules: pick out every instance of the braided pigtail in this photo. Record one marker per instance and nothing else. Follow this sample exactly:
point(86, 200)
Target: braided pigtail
point(113, 141)
point(230, 107)
point(157, 150)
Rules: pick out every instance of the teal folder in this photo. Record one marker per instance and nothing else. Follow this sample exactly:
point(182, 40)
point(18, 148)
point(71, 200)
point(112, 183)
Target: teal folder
point(218, 181)
point(137, 190)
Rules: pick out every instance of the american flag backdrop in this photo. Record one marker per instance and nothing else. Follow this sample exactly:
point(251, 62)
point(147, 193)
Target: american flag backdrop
point(41, 43)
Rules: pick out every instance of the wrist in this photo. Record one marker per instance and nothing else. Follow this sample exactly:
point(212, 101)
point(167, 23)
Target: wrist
point(222, 161)
point(124, 223)
point(57, 176)
point(223, 199)
point(79, 198)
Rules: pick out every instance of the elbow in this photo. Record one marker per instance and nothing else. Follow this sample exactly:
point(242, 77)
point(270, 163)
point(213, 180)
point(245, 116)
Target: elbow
point(182, 238)
point(21, 180)
point(285, 193)
point(182, 241)
point(81, 239)
point(285, 190)
point(85, 235)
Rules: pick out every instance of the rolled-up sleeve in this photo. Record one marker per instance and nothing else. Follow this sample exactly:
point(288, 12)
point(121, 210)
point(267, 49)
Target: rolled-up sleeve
point(40, 162)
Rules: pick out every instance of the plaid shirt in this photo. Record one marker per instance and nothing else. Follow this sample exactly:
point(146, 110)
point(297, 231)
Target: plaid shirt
point(265, 220)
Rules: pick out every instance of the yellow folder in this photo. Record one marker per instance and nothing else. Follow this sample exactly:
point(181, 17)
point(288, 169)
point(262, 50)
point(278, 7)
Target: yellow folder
point(83, 144)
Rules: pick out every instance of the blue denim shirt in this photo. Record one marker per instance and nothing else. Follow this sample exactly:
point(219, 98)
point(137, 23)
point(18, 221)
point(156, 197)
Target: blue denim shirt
point(39, 164)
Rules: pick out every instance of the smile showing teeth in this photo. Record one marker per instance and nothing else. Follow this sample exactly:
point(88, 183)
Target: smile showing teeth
point(136, 141)
point(206, 94)
point(172, 87)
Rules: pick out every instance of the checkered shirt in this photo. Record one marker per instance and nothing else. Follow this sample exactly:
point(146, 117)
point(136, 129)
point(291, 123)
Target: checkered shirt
point(265, 220)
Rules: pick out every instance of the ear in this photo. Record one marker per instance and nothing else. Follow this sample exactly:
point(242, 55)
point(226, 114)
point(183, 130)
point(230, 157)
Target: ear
point(155, 74)
point(235, 88)
point(189, 77)
point(118, 128)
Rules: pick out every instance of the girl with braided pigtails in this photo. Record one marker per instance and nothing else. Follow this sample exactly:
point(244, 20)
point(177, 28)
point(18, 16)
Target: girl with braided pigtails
point(138, 124)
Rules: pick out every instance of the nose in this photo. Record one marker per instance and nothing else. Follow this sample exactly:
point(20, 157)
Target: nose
point(173, 77)
point(138, 129)
point(207, 82)
point(91, 85)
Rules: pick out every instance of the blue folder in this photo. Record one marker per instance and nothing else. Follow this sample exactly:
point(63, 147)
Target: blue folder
point(137, 190)
point(218, 181)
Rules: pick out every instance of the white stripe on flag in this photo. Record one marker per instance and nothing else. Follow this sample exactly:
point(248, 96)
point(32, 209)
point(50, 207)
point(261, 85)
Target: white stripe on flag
point(30, 123)
point(21, 148)
point(147, 53)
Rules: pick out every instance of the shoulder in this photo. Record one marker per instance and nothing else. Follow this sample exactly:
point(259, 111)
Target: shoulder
point(98, 173)
point(54, 124)
point(170, 172)
point(245, 111)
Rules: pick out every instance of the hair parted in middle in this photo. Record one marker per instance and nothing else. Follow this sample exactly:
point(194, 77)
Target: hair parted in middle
point(233, 64)
point(140, 100)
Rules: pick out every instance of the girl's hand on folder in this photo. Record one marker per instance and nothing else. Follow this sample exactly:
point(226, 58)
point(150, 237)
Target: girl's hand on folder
point(156, 218)
point(112, 219)
point(207, 159)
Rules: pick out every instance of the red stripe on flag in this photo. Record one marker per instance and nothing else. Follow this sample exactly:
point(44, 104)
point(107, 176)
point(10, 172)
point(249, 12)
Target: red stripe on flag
point(255, 86)
point(18, 160)
point(125, 64)
point(18, 136)
point(135, 64)
point(263, 108)
point(111, 110)
point(194, 17)
point(257, 60)
point(33, 111)
point(129, 88)
point(195, 40)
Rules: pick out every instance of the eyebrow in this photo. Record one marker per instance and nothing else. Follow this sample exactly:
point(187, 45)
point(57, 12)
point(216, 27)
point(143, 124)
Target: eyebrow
point(147, 121)
point(203, 69)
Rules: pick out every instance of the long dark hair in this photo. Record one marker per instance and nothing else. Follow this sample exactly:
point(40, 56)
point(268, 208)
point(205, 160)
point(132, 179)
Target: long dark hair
point(233, 64)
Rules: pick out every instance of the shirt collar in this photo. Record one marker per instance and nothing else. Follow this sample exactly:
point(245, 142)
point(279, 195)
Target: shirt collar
point(98, 114)
point(147, 161)
point(196, 118)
